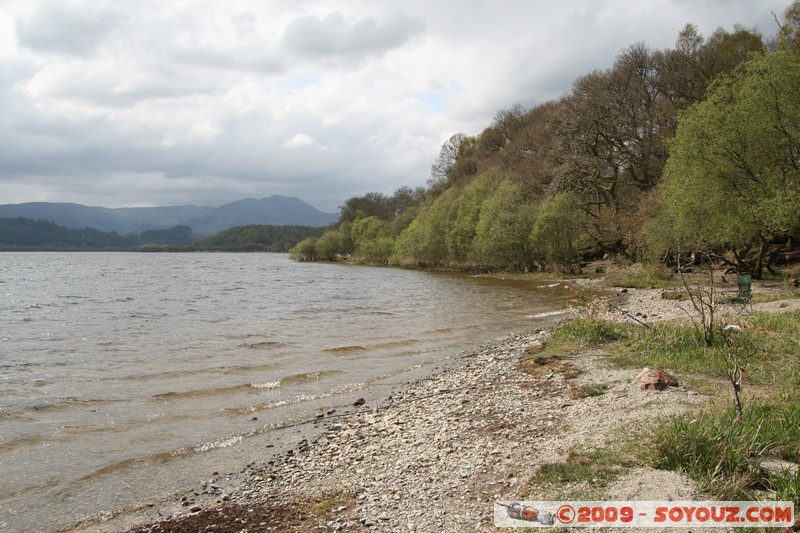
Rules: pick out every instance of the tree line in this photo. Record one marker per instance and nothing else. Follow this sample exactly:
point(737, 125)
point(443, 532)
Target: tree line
point(27, 234)
point(691, 148)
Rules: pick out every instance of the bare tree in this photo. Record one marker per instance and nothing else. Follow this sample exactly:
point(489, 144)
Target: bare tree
point(703, 298)
point(739, 350)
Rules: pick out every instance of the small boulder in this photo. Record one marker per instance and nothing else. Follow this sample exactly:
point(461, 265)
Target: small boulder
point(655, 380)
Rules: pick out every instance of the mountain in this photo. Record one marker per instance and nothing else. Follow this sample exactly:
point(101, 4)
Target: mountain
point(275, 210)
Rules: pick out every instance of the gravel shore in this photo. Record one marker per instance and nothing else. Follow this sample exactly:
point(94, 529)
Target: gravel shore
point(436, 455)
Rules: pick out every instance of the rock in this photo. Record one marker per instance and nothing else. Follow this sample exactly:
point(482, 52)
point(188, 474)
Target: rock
point(778, 466)
point(359, 402)
point(655, 380)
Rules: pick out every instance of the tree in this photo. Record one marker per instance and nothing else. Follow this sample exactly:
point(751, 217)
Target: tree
point(422, 243)
point(789, 33)
point(732, 181)
point(305, 250)
point(372, 204)
point(456, 163)
point(501, 236)
point(555, 233)
point(464, 220)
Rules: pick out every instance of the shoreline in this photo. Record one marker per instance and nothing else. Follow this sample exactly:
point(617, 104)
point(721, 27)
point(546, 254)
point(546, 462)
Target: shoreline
point(435, 454)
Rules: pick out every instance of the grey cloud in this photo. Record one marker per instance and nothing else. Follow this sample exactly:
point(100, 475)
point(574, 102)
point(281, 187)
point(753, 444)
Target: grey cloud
point(236, 60)
point(58, 28)
point(335, 36)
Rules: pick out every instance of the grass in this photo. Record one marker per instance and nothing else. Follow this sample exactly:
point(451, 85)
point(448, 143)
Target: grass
point(773, 339)
point(642, 276)
point(581, 333)
point(723, 455)
point(584, 475)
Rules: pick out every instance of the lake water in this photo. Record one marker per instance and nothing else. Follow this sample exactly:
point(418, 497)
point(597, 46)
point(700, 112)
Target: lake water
point(125, 378)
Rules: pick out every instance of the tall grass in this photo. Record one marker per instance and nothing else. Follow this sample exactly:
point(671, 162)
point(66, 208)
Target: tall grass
point(724, 455)
point(642, 276)
point(589, 331)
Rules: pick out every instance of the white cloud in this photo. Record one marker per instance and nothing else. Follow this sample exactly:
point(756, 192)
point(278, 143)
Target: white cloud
point(301, 140)
point(177, 101)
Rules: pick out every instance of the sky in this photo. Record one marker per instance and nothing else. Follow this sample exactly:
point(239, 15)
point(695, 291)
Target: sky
point(203, 102)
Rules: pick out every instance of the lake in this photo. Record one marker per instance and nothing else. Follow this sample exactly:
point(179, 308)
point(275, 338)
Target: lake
point(126, 378)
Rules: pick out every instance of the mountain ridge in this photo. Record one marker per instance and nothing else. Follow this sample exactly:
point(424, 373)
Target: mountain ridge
point(273, 210)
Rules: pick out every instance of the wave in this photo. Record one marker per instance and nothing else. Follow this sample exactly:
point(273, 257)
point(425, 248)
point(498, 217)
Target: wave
point(261, 344)
point(308, 376)
point(177, 374)
point(268, 385)
point(198, 393)
point(247, 387)
point(296, 399)
point(344, 350)
point(545, 314)
point(23, 441)
point(71, 402)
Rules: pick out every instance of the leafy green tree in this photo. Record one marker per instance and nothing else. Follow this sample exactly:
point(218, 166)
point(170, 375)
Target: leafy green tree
point(305, 250)
point(422, 243)
point(378, 251)
point(371, 241)
point(555, 232)
point(501, 238)
point(464, 221)
point(733, 177)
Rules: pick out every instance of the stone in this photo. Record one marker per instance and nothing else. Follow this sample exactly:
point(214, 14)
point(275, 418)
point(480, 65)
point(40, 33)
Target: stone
point(657, 380)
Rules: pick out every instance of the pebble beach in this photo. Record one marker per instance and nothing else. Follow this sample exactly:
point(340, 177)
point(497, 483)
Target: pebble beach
point(436, 454)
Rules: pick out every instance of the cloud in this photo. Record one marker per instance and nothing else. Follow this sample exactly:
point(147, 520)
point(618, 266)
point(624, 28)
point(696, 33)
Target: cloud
point(300, 140)
point(62, 28)
point(162, 102)
point(334, 36)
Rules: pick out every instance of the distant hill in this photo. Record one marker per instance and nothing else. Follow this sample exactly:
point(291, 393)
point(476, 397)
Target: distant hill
point(25, 234)
point(274, 210)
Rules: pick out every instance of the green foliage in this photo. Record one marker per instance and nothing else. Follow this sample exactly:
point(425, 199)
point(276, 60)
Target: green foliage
point(423, 242)
point(336, 242)
point(26, 234)
point(464, 222)
point(555, 232)
point(501, 236)
point(305, 250)
point(258, 238)
point(572, 180)
point(724, 455)
point(591, 469)
point(642, 276)
point(371, 242)
point(733, 178)
point(590, 331)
